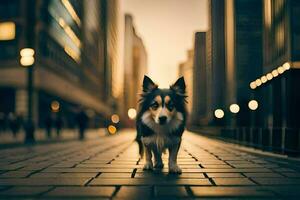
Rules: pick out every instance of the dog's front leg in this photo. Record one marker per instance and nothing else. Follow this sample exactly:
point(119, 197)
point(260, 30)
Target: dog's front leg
point(157, 159)
point(173, 151)
point(148, 165)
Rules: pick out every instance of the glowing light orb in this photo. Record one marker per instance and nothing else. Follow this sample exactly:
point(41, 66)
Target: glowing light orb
point(219, 113)
point(112, 129)
point(253, 105)
point(234, 108)
point(131, 113)
point(115, 118)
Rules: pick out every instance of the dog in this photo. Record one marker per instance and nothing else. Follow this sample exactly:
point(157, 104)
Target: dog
point(160, 123)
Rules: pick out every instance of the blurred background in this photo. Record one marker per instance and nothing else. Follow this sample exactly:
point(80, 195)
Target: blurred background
point(78, 64)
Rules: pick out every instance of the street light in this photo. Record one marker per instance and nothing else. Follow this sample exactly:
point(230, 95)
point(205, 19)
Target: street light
point(27, 60)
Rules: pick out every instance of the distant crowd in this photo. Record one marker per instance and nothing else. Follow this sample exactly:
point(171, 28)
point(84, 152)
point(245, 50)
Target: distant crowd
point(15, 123)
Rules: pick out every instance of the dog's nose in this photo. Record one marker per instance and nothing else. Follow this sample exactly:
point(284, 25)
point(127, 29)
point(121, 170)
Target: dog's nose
point(162, 120)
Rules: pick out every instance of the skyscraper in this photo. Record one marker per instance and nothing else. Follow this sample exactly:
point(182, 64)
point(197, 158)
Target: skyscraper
point(71, 55)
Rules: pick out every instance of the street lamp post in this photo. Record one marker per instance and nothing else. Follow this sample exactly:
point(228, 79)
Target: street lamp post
point(27, 60)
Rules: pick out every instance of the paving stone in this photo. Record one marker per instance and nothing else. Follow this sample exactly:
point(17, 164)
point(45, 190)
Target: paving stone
point(194, 166)
point(33, 167)
point(43, 181)
point(25, 191)
point(136, 181)
point(239, 162)
point(131, 192)
point(224, 175)
point(60, 165)
point(247, 166)
point(284, 170)
point(12, 166)
point(270, 166)
point(191, 175)
point(15, 174)
point(230, 192)
point(277, 181)
point(68, 174)
point(285, 191)
point(233, 181)
point(103, 170)
point(81, 192)
point(151, 174)
point(232, 170)
point(216, 166)
point(273, 175)
point(76, 170)
point(120, 166)
point(231, 158)
point(115, 175)
point(168, 191)
point(96, 162)
point(291, 174)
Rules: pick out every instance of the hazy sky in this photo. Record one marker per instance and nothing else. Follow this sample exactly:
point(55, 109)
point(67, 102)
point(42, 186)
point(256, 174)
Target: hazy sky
point(167, 28)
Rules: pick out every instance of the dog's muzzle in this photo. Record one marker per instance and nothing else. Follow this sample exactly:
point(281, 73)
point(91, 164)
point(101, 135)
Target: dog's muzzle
point(162, 120)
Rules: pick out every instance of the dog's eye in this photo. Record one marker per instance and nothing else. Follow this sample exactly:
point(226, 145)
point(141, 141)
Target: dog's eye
point(154, 106)
point(170, 106)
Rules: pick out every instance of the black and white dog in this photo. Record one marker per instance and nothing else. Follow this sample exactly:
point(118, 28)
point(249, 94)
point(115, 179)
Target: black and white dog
point(160, 122)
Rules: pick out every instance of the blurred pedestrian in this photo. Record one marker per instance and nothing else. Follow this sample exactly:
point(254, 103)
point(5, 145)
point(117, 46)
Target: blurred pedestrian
point(82, 121)
point(48, 125)
point(13, 123)
point(58, 124)
point(2, 121)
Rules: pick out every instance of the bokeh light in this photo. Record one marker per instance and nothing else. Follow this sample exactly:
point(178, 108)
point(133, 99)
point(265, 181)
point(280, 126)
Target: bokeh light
point(263, 79)
point(253, 105)
point(269, 76)
point(112, 129)
point(253, 85)
point(234, 108)
point(219, 113)
point(258, 82)
point(132, 113)
point(274, 73)
point(115, 118)
point(286, 66)
point(55, 106)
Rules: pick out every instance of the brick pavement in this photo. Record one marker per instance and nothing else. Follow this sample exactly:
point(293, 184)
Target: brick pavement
point(110, 168)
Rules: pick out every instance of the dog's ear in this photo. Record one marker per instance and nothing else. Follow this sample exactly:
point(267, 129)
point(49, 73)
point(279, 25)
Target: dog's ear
point(148, 84)
point(179, 86)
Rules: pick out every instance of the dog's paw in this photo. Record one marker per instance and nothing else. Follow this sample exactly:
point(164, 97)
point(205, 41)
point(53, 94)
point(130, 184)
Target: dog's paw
point(159, 165)
point(148, 166)
point(174, 169)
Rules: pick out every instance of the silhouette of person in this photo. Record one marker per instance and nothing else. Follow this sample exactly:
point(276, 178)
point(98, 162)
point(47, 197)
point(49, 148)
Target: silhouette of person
point(48, 125)
point(82, 121)
point(2, 121)
point(13, 123)
point(58, 124)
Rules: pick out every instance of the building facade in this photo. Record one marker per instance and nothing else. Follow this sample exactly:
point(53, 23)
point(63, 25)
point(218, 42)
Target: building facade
point(251, 72)
point(186, 70)
point(73, 53)
point(135, 67)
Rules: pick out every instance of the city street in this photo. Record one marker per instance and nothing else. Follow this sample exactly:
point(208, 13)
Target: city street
point(109, 167)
